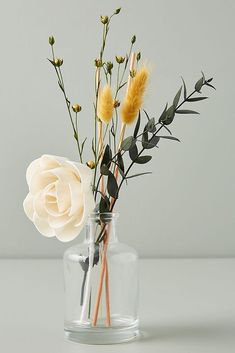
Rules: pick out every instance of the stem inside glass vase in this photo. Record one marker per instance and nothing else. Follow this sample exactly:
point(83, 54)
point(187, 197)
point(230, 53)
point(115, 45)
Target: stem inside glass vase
point(98, 237)
point(101, 285)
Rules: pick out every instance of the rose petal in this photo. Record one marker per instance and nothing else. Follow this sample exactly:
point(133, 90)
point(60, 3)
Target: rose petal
point(39, 205)
point(88, 207)
point(43, 226)
point(33, 168)
point(68, 232)
point(76, 196)
point(50, 191)
point(28, 206)
point(52, 209)
point(85, 174)
point(59, 222)
point(50, 199)
point(48, 161)
point(64, 174)
point(40, 180)
point(63, 196)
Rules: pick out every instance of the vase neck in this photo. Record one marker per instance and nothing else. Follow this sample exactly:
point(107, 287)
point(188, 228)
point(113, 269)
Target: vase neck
point(96, 224)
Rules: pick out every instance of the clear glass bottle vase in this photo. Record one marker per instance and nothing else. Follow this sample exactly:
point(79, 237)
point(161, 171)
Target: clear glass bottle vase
point(101, 286)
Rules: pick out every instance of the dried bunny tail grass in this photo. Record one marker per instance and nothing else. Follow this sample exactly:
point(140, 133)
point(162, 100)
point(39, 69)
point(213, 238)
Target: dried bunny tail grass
point(135, 95)
point(105, 105)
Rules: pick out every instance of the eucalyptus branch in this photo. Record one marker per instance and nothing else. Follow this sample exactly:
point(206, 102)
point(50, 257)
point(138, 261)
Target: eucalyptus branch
point(186, 99)
point(129, 168)
point(154, 125)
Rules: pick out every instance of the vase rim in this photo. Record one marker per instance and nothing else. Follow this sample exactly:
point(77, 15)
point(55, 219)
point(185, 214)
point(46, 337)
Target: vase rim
point(107, 215)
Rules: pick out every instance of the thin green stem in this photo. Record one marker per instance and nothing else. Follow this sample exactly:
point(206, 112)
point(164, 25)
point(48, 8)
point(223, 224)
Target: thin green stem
point(67, 102)
point(118, 74)
point(76, 137)
point(97, 86)
point(124, 71)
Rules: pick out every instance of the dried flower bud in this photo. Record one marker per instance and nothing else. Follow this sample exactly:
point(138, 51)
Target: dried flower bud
point(120, 59)
point(133, 39)
point(104, 19)
point(138, 56)
point(76, 108)
point(132, 73)
point(117, 11)
point(58, 62)
point(51, 40)
point(98, 63)
point(109, 66)
point(91, 164)
point(116, 103)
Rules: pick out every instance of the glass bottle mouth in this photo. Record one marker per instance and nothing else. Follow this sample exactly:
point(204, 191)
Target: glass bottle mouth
point(103, 217)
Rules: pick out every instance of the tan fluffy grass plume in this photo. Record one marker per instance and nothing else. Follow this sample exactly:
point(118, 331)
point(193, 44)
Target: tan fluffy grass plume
point(135, 95)
point(105, 104)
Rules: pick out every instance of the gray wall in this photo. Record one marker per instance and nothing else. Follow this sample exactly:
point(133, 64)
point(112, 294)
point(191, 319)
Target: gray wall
point(186, 207)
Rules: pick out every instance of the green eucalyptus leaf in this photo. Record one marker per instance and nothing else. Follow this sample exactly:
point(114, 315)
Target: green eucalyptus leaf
point(144, 138)
point(167, 129)
point(112, 186)
point(185, 90)
point(170, 113)
point(136, 175)
point(133, 152)
point(107, 157)
point(104, 170)
point(204, 79)
point(199, 84)
point(104, 204)
point(150, 126)
point(127, 143)
point(169, 138)
point(196, 99)
point(143, 159)
point(163, 115)
point(208, 84)
point(137, 126)
point(121, 172)
point(146, 114)
point(186, 111)
point(120, 162)
point(177, 97)
point(152, 142)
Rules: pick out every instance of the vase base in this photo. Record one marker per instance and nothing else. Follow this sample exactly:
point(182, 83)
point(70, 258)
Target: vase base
point(121, 331)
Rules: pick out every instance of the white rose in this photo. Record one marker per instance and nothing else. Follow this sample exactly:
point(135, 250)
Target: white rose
point(60, 197)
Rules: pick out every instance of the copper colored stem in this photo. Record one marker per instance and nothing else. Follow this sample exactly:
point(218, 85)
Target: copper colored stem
point(108, 319)
point(100, 286)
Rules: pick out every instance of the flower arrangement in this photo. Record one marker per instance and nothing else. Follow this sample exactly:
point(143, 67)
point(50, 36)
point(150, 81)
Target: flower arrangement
point(63, 193)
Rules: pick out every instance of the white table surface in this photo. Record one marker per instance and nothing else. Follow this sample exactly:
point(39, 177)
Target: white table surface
point(186, 306)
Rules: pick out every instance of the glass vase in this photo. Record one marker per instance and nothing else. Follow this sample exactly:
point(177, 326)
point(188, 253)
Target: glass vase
point(101, 286)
